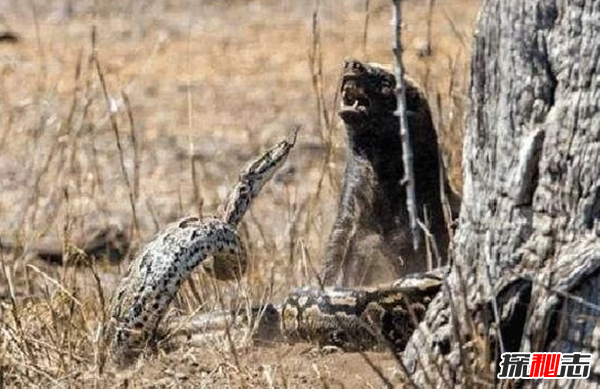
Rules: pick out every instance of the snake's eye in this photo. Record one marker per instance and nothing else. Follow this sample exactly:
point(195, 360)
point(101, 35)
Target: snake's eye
point(245, 189)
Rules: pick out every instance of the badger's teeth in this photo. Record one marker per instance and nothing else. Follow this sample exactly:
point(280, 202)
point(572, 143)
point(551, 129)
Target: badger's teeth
point(355, 105)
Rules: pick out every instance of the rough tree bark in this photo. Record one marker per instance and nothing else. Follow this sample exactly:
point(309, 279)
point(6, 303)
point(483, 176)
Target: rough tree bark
point(527, 253)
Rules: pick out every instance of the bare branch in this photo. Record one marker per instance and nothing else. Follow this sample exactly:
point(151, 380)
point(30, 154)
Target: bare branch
point(407, 154)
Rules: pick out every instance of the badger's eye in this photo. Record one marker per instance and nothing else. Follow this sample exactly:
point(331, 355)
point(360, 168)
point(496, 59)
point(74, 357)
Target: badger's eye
point(386, 87)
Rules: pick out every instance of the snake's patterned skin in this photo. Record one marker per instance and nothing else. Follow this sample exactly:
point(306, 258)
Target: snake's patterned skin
point(351, 319)
point(359, 318)
point(252, 179)
point(145, 293)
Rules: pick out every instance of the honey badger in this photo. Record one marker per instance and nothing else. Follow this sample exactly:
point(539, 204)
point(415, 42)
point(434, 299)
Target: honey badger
point(371, 240)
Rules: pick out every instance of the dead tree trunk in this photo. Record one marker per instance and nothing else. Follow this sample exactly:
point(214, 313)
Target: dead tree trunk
point(526, 274)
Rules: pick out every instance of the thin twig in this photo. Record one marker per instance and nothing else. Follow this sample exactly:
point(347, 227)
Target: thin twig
point(326, 116)
point(429, 23)
point(136, 146)
point(407, 154)
point(365, 38)
point(136, 162)
point(55, 283)
point(196, 197)
point(377, 370)
point(115, 128)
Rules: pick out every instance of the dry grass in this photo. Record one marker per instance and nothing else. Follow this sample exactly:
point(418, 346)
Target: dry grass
point(219, 81)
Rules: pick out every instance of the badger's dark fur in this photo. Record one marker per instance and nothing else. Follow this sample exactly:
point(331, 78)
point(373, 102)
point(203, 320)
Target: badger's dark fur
point(371, 239)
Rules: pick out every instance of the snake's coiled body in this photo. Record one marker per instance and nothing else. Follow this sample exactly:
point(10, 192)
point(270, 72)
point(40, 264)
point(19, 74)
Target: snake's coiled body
point(359, 318)
point(154, 277)
point(158, 271)
point(351, 319)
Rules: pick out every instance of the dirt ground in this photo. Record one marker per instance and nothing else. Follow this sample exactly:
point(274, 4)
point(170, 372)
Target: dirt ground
point(193, 90)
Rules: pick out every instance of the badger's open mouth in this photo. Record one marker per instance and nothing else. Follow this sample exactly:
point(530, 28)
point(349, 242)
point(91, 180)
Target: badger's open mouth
point(355, 101)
